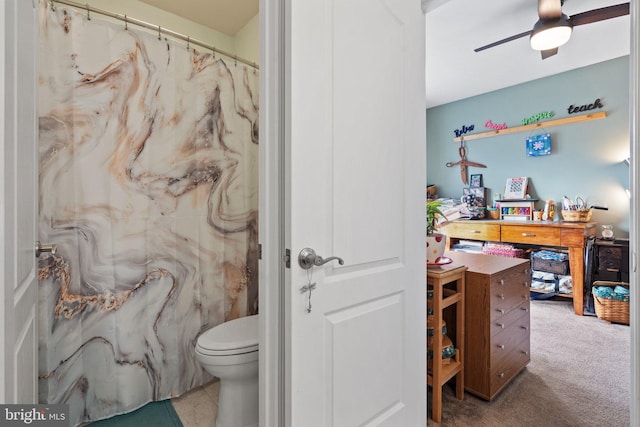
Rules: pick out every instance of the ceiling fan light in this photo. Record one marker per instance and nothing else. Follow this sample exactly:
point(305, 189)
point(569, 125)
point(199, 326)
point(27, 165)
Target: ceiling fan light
point(550, 33)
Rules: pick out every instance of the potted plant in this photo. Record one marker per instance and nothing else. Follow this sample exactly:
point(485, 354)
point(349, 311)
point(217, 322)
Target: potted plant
point(436, 241)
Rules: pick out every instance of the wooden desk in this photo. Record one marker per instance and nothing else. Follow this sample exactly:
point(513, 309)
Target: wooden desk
point(448, 290)
point(571, 235)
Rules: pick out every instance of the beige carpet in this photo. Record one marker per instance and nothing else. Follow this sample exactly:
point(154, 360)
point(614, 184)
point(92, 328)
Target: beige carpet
point(578, 376)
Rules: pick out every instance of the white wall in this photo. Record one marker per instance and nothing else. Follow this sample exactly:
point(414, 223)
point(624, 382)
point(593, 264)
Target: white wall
point(247, 40)
point(245, 44)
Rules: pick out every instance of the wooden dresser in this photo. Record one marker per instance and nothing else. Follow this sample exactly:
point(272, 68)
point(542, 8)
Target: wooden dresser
point(496, 321)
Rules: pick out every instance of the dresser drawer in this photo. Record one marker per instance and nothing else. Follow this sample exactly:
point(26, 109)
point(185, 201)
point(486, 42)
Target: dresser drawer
point(514, 362)
point(531, 235)
point(511, 281)
point(609, 258)
point(507, 340)
point(504, 322)
point(507, 294)
point(500, 307)
point(473, 230)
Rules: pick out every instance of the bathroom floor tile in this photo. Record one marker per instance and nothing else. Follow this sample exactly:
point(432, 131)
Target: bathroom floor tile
point(199, 407)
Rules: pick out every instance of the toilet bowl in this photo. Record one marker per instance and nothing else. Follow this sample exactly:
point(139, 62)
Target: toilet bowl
point(229, 351)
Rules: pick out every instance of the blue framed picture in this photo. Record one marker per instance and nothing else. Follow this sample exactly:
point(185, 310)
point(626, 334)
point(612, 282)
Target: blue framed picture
point(539, 145)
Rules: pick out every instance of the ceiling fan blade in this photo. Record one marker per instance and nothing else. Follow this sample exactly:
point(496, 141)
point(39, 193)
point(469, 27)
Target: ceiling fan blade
point(499, 42)
point(549, 9)
point(549, 52)
point(552, 9)
point(601, 14)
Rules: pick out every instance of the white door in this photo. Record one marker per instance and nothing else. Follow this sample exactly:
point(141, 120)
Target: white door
point(18, 202)
point(355, 189)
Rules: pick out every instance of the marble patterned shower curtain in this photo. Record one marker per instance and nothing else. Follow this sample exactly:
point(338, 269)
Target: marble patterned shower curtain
point(148, 185)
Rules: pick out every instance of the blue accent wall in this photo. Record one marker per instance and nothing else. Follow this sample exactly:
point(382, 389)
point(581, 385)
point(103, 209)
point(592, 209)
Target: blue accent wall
point(586, 158)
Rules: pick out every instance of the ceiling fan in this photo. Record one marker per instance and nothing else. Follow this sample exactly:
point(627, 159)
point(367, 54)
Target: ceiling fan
point(553, 29)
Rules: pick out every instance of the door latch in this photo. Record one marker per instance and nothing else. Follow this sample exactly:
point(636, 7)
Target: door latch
point(308, 258)
point(40, 249)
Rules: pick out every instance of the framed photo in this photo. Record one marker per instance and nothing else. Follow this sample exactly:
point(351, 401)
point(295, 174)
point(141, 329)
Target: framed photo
point(516, 188)
point(479, 192)
point(539, 145)
point(476, 180)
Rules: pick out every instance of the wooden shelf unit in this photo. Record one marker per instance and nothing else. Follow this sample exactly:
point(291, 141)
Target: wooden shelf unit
point(448, 284)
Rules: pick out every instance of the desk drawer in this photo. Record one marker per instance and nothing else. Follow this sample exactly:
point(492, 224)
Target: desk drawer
point(531, 235)
point(473, 230)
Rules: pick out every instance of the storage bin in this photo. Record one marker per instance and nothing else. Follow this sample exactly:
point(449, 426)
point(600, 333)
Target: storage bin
point(560, 267)
point(611, 310)
point(550, 282)
point(583, 215)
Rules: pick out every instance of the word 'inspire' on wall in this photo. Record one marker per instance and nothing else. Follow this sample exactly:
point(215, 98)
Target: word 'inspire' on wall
point(465, 129)
point(536, 117)
point(489, 124)
point(577, 109)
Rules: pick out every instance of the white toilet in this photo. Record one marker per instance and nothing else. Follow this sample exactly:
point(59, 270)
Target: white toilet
point(229, 351)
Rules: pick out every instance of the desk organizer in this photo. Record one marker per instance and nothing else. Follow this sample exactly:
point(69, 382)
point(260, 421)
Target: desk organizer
point(517, 210)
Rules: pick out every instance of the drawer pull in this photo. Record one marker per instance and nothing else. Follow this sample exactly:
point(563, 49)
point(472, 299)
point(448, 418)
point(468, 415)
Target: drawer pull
point(501, 346)
point(501, 296)
point(475, 231)
point(525, 284)
point(528, 235)
point(526, 353)
point(501, 325)
point(500, 310)
point(502, 282)
point(524, 327)
point(526, 271)
point(525, 309)
point(501, 374)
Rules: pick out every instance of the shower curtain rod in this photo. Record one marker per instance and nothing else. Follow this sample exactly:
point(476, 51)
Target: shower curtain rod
point(128, 20)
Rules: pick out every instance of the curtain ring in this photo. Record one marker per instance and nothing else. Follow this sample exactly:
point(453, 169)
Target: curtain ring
point(159, 31)
point(125, 23)
point(88, 10)
point(188, 42)
point(52, 6)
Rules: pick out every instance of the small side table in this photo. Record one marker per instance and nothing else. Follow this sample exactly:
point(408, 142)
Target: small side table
point(447, 283)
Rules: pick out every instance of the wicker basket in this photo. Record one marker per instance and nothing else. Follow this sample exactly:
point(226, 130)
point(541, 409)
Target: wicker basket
point(611, 310)
point(578, 216)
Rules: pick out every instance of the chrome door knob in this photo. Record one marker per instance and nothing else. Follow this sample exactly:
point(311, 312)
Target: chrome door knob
point(308, 258)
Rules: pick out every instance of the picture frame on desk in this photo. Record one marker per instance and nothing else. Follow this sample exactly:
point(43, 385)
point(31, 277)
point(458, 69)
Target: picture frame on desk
point(516, 188)
point(475, 180)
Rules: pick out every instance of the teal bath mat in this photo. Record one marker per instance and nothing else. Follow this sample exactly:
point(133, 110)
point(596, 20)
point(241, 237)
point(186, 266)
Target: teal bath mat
point(154, 414)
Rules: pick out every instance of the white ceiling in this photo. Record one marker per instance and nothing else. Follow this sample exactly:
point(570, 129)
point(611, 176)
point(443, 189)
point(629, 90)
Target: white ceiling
point(226, 16)
point(453, 29)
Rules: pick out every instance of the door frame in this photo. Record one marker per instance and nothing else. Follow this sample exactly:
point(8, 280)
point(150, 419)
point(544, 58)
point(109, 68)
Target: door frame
point(271, 207)
point(634, 230)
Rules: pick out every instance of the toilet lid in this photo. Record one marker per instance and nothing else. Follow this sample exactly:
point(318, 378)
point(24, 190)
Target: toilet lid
point(232, 337)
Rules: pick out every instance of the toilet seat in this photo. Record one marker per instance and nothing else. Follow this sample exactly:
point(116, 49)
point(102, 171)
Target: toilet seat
point(238, 336)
